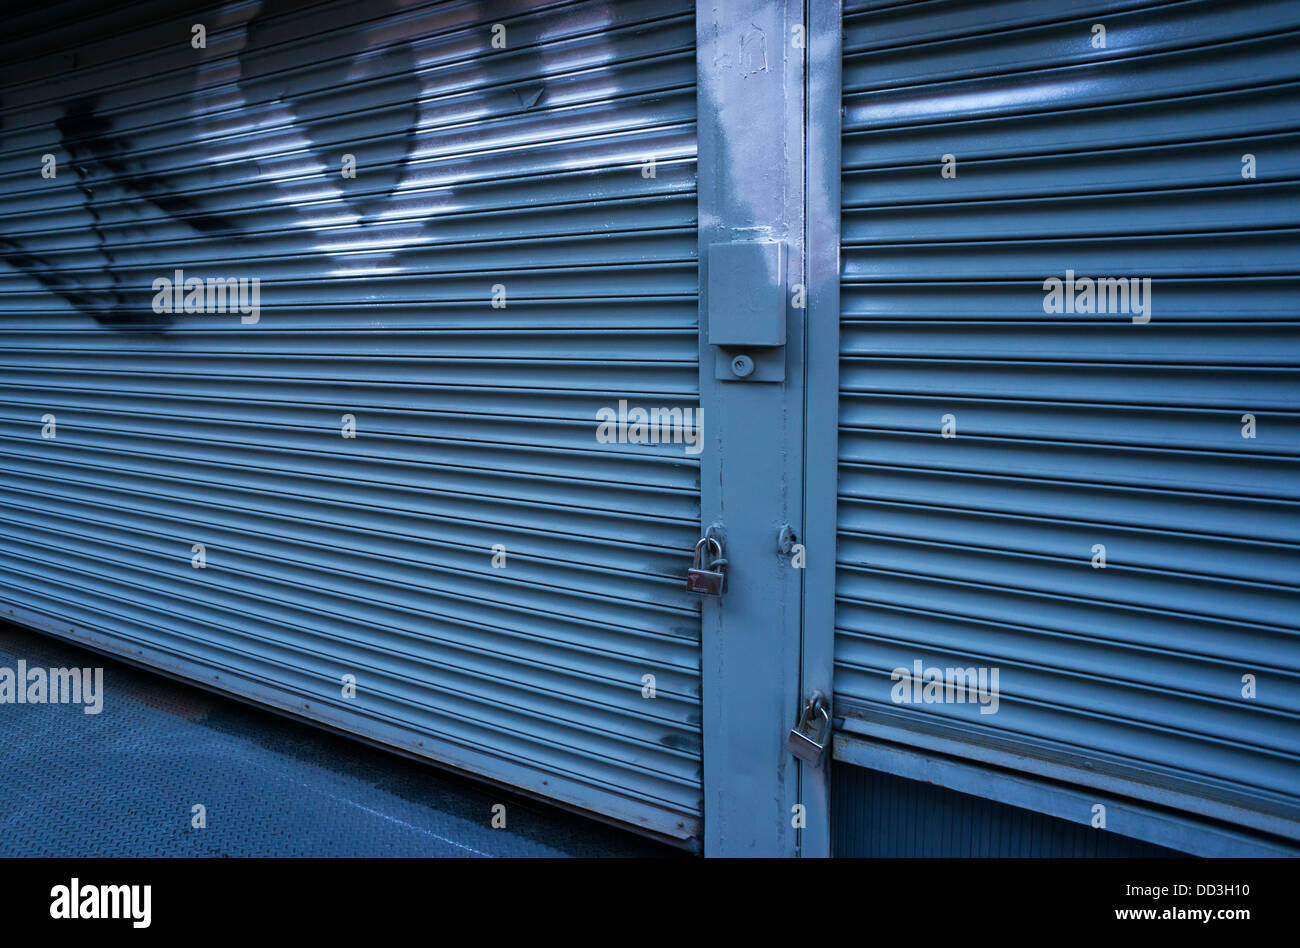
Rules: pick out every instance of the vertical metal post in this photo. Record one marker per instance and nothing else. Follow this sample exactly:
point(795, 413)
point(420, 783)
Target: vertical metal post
point(751, 95)
point(821, 456)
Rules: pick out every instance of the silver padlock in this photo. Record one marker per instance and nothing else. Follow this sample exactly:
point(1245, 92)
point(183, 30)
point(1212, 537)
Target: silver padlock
point(711, 581)
point(811, 733)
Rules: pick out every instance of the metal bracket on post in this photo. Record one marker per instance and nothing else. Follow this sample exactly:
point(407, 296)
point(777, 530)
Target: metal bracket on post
point(716, 531)
point(747, 310)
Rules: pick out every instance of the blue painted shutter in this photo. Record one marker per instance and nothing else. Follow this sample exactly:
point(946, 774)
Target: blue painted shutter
point(475, 426)
point(1076, 430)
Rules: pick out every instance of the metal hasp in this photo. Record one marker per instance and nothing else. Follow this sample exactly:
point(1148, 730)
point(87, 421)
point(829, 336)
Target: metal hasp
point(711, 581)
point(747, 310)
point(812, 732)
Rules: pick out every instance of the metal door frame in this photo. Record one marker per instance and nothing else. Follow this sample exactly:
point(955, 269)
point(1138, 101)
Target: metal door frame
point(769, 446)
point(822, 399)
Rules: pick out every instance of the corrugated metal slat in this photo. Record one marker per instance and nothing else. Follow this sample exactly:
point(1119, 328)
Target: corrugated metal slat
point(476, 425)
point(977, 550)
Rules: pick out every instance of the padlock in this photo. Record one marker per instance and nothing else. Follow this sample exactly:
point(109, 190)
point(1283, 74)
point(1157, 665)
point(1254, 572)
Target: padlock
point(711, 581)
point(811, 733)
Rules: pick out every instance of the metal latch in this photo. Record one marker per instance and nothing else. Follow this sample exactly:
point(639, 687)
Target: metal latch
point(812, 732)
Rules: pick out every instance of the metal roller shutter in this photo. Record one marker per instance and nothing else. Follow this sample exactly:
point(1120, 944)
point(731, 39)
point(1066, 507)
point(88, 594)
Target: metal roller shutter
point(1075, 431)
point(521, 167)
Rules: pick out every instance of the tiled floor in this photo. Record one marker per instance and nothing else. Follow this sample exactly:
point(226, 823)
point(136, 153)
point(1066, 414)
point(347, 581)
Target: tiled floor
point(124, 782)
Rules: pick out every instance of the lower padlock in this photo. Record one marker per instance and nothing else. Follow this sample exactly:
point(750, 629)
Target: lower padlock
point(811, 733)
